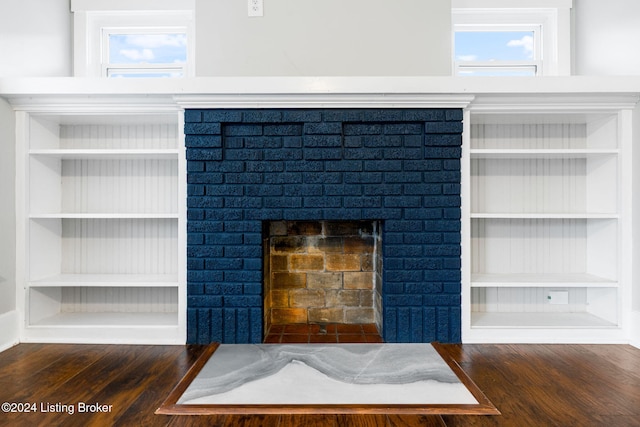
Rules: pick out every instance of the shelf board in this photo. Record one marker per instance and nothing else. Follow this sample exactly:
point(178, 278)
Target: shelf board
point(103, 215)
point(548, 320)
point(542, 215)
point(108, 319)
point(495, 153)
point(107, 280)
point(541, 280)
point(107, 154)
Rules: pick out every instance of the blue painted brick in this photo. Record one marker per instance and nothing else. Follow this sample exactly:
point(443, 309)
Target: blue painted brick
point(252, 288)
point(264, 214)
point(192, 116)
point(204, 154)
point(191, 129)
point(404, 325)
point(323, 178)
point(341, 214)
point(301, 116)
point(304, 166)
point(243, 251)
point(291, 141)
point(362, 129)
point(403, 177)
point(423, 213)
point(256, 142)
point(429, 324)
point(349, 165)
point(242, 301)
point(443, 127)
point(382, 165)
point(363, 202)
point(203, 141)
point(404, 226)
point(243, 326)
point(322, 153)
point(263, 190)
point(195, 264)
point(442, 152)
point(195, 166)
point(403, 129)
point(423, 238)
point(446, 140)
point(363, 178)
point(441, 225)
point(422, 165)
point(382, 213)
point(261, 116)
point(403, 153)
point(322, 202)
point(403, 300)
point(360, 154)
point(342, 190)
point(283, 154)
point(454, 114)
point(404, 276)
point(315, 141)
point(442, 201)
point(204, 301)
point(224, 264)
point(402, 250)
point(423, 189)
point(424, 115)
point(323, 128)
point(282, 202)
point(382, 190)
point(216, 326)
point(226, 166)
point(390, 324)
point(304, 190)
point(384, 141)
point(282, 130)
point(229, 325)
point(224, 214)
point(195, 239)
point(241, 130)
point(402, 201)
point(205, 178)
point(222, 115)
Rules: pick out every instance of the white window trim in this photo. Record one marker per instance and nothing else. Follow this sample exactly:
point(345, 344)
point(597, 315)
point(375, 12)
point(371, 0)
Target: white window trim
point(93, 17)
point(551, 19)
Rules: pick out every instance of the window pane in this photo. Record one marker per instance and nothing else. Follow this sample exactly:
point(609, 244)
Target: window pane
point(147, 48)
point(494, 45)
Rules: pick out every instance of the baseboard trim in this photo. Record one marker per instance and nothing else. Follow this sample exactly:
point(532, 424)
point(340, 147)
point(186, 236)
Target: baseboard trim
point(9, 330)
point(635, 329)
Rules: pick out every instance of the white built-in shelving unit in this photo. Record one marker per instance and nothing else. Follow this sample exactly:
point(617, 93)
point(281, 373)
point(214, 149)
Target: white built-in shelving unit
point(104, 225)
point(547, 207)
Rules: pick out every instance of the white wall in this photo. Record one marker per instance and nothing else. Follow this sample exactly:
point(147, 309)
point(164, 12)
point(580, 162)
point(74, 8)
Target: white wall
point(7, 213)
point(324, 37)
point(35, 38)
point(606, 37)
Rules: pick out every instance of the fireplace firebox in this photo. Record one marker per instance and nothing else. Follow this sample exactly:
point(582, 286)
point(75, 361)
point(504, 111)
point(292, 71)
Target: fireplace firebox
point(322, 272)
point(307, 170)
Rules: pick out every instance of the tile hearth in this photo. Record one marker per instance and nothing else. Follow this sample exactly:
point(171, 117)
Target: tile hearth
point(315, 333)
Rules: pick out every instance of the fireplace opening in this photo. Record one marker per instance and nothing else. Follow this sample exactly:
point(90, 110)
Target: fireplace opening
point(322, 278)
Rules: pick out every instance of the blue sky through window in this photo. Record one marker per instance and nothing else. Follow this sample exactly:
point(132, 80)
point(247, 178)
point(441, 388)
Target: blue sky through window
point(493, 45)
point(147, 48)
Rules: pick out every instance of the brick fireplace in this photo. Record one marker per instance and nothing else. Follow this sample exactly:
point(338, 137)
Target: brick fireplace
point(300, 172)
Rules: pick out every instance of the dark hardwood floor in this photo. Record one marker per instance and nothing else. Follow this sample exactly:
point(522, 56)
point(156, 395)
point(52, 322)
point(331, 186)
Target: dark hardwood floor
point(532, 385)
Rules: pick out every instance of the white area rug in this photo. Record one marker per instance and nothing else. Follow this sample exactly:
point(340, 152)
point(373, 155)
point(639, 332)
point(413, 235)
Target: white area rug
point(340, 378)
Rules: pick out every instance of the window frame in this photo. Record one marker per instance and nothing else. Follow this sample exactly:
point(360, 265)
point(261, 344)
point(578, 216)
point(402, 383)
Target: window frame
point(95, 19)
point(551, 23)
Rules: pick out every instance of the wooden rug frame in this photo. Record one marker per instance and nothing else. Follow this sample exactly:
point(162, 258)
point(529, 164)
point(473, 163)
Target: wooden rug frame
point(171, 406)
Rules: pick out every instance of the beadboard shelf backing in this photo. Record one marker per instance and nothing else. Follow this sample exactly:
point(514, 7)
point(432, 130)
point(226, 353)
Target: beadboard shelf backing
point(544, 219)
point(103, 224)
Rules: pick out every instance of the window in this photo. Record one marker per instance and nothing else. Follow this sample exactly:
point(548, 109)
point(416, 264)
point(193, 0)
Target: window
point(494, 38)
point(509, 52)
point(144, 53)
point(133, 38)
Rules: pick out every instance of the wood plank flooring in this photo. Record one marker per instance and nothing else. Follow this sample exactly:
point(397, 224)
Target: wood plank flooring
point(532, 385)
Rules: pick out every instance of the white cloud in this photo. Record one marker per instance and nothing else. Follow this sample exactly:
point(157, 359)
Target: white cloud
point(467, 57)
point(526, 42)
point(138, 55)
point(151, 41)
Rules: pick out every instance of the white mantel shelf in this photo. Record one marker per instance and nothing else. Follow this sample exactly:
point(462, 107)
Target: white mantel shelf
point(264, 92)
